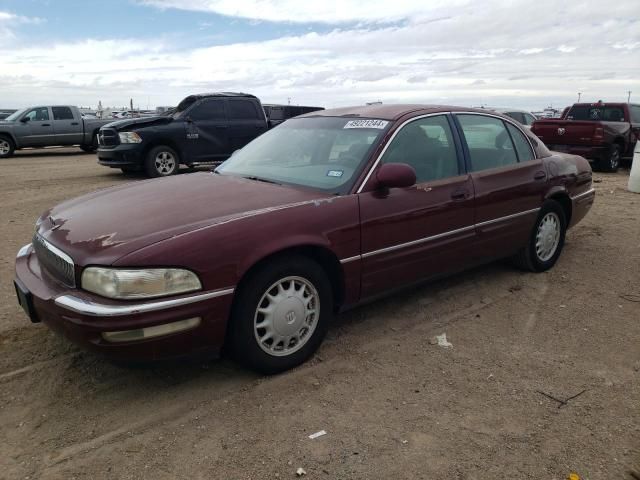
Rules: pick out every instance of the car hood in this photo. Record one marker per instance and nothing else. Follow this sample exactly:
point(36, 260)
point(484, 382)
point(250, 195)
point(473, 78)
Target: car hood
point(101, 227)
point(131, 123)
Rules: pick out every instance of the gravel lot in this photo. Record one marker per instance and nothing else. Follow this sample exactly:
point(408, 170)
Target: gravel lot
point(393, 404)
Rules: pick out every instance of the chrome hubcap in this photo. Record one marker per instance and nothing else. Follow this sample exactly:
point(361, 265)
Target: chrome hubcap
point(4, 147)
point(548, 236)
point(287, 316)
point(165, 163)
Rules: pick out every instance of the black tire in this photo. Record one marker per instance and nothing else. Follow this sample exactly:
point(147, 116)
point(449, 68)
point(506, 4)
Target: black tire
point(93, 146)
point(161, 161)
point(612, 161)
point(529, 258)
point(242, 340)
point(7, 147)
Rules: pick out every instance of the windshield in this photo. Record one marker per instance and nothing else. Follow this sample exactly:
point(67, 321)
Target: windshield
point(325, 153)
point(15, 115)
point(183, 106)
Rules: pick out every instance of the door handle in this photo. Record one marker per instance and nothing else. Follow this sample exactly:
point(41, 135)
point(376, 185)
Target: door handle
point(460, 194)
point(540, 175)
point(221, 126)
point(45, 125)
point(74, 123)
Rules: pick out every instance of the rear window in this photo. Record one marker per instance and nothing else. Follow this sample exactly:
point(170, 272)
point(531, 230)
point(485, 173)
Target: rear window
point(242, 110)
point(62, 113)
point(600, 113)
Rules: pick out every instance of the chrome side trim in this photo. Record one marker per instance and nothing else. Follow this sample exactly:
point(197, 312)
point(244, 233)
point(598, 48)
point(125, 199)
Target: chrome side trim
point(85, 307)
point(351, 259)
point(24, 251)
point(417, 242)
point(584, 194)
point(508, 217)
point(375, 164)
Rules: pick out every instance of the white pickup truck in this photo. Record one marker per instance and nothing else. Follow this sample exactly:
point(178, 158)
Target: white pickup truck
point(47, 126)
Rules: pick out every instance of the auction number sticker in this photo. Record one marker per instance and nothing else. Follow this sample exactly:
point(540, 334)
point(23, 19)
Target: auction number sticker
point(379, 124)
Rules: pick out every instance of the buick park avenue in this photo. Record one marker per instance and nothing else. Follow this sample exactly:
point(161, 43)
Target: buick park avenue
point(322, 213)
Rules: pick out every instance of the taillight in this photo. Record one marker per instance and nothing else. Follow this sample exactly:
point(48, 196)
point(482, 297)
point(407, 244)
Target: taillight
point(598, 134)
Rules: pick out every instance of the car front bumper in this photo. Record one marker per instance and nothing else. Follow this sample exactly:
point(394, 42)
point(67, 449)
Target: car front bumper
point(123, 155)
point(83, 318)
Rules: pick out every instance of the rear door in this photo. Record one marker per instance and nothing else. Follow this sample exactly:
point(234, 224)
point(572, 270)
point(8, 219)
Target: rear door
point(413, 233)
point(39, 131)
point(246, 122)
point(68, 129)
point(207, 131)
point(509, 183)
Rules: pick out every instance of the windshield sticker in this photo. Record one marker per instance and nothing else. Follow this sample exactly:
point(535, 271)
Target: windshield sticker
point(379, 124)
point(335, 173)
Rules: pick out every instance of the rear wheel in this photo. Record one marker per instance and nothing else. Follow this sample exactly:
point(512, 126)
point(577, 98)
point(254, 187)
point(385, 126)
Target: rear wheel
point(93, 146)
point(546, 240)
point(161, 161)
point(611, 162)
point(281, 315)
point(6, 147)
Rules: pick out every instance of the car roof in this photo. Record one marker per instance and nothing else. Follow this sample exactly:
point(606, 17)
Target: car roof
point(221, 94)
point(390, 111)
point(504, 110)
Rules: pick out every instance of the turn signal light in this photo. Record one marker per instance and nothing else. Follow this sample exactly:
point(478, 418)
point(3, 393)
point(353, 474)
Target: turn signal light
point(150, 332)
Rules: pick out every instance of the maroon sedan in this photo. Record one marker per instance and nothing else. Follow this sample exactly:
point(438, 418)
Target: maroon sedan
point(324, 212)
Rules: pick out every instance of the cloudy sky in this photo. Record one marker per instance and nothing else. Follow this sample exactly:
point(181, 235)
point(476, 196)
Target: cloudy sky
point(329, 52)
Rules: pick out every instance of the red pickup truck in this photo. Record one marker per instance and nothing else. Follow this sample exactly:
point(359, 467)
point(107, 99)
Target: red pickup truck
point(603, 133)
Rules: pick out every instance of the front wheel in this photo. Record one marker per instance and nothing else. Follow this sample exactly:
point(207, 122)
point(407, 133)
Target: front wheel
point(611, 162)
point(6, 147)
point(161, 161)
point(546, 240)
point(281, 315)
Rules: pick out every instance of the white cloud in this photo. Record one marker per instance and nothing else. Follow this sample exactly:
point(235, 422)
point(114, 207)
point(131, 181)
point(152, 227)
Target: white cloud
point(300, 11)
point(502, 55)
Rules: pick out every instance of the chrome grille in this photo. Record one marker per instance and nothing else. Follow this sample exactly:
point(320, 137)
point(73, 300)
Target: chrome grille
point(57, 263)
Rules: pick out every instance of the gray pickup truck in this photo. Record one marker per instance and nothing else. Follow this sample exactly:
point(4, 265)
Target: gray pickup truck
point(48, 126)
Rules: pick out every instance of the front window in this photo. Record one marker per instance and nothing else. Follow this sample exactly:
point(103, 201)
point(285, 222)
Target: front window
point(325, 153)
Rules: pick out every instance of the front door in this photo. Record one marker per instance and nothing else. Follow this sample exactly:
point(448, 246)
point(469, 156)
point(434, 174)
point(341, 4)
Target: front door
point(68, 130)
point(509, 183)
point(207, 131)
point(39, 131)
point(413, 233)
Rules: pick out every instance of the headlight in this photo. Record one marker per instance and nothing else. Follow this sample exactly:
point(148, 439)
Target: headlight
point(129, 137)
point(143, 283)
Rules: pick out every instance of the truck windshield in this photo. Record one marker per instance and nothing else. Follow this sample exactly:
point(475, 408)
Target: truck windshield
point(15, 115)
point(325, 153)
point(183, 106)
point(602, 113)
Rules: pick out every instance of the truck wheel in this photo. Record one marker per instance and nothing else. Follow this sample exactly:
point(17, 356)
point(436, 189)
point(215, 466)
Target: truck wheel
point(281, 314)
point(612, 161)
point(6, 147)
point(546, 239)
point(161, 161)
point(88, 148)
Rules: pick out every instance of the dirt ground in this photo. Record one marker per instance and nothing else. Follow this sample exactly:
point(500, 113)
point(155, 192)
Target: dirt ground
point(393, 404)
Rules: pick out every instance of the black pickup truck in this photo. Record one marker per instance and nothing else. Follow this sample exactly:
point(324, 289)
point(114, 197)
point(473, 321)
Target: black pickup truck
point(204, 129)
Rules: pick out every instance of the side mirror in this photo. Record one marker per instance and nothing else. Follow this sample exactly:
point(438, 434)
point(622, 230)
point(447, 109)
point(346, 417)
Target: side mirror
point(396, 175)
point(25, 119)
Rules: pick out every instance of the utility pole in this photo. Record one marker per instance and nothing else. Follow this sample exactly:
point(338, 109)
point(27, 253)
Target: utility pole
point(629, 96)
point(579, 95)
